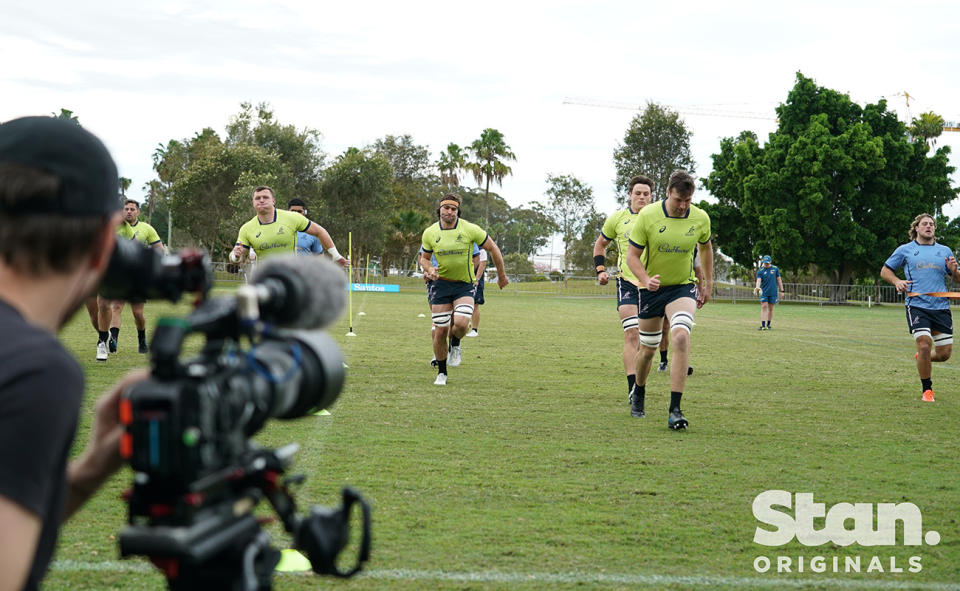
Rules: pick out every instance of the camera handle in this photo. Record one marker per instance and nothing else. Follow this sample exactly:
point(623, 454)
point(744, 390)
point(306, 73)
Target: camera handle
point(325, 532)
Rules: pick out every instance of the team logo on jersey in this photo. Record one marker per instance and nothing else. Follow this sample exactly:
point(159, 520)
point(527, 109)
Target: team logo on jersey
point(459, 237)
point(690, 231)
point(662, 228)
point(280, 230)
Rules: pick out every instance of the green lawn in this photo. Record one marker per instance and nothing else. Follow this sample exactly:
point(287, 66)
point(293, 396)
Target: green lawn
point(527, 471)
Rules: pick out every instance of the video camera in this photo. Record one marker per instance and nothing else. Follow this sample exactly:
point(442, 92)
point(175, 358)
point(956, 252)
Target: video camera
point(197, 475)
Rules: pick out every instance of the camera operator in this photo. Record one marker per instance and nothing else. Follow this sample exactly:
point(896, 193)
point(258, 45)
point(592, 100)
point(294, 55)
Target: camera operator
point(59, 211)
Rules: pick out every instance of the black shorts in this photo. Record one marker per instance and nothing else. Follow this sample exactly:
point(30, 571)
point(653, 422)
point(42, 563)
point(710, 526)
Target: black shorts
point(653, 304)
point(441, 291)
point(933, 320)
point(478, 295)
point(627, 293)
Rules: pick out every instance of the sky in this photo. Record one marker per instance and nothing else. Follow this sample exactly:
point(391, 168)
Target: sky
point(141, 74)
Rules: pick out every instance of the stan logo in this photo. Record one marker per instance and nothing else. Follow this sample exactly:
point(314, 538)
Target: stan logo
point(662, 228)
point(861, 515)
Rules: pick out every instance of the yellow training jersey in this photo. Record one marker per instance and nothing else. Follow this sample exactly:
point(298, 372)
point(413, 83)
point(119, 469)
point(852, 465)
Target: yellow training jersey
point(669, 243)
point(453, 249)
point(273, 238)
point(617, 228)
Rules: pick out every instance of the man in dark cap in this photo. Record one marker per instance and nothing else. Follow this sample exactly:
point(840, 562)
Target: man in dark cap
point(58, 218)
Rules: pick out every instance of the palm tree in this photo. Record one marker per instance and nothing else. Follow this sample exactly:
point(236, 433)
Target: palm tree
point(124, 185)
point(406, 229)
point(928, 127)
point(450, 163)
point(489, 152)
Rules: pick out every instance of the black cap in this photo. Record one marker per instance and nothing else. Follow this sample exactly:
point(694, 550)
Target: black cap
point(88, 176)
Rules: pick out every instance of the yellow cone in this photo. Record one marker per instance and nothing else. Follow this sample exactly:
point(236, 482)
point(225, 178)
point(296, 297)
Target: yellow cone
point(292, 561)
point(322, 413)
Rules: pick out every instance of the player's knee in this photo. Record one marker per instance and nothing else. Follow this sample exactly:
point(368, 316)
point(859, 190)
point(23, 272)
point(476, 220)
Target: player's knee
point(441, 319)
point(681, 324)
point(649, 341)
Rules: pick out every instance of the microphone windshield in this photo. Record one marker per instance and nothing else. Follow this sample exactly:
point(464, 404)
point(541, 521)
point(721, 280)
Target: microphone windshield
point(314, 291)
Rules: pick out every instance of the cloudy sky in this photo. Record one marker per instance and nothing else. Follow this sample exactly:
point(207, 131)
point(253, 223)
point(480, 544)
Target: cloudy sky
point(140, 74)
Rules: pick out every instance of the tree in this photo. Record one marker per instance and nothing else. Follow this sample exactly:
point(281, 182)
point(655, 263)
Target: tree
point(927, 127)
point(835, 186)
point(407, 227)
point(451, 162)
point(656, 143)
point(579, 255)
point(355, 191)
point(569, 207)
point(489, 152)
point(298, 151)
point(124, 183)
point(410, 162)
point(517, 264)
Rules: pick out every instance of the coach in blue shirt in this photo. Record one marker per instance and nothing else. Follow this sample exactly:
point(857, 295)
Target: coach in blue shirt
point(770, 288)
point(306, 243)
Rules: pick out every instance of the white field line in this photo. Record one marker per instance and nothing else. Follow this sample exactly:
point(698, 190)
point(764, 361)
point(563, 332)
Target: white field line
point(572, 578)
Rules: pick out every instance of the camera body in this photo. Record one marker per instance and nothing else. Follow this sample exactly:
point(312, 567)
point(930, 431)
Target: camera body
point(197, 474)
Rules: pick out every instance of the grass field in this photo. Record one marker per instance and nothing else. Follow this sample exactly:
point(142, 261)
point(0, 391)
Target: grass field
point(527, 472)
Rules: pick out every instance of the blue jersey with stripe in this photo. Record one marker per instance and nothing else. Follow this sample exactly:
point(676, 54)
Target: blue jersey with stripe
point(768, 280)
point(926, 266)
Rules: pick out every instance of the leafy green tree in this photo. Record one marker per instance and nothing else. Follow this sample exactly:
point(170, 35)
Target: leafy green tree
point(124, 186)
point(356, 193)
point(656, 143)
point(569, 206)
point(490, 152)
point(518, 264)
point(410, 162)
point(298, 151)
point(835, 187)
point(579, 256)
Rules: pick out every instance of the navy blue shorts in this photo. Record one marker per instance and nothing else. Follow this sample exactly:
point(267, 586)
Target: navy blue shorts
point(627, 294)
point(770, 298)
point(653, 304)
point(933, 320)
point(441, 291)
point(478, 294)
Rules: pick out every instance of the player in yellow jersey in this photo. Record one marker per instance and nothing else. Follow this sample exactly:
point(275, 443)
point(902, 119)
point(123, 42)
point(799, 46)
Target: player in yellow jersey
point(662, 246)
point(450, 288)
point(617, 228)
point(133, 229)
point(274, 231)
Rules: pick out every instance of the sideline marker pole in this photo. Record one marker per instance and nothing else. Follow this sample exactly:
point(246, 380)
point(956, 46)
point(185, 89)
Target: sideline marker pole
point(349, 284)
point(366, 272)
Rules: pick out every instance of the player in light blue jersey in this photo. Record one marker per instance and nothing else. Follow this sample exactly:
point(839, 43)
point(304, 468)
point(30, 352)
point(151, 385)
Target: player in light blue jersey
point(307, 244)
point(925, 265)
point(770, 288)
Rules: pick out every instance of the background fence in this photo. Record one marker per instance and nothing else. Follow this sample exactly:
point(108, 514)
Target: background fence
point(822, 294)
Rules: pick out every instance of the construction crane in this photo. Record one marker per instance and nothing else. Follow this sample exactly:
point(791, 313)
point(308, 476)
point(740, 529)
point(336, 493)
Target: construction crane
point(706, 110)
point(947, 125)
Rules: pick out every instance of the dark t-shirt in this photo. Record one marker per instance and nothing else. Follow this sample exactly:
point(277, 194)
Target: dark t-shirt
point(41, 387)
